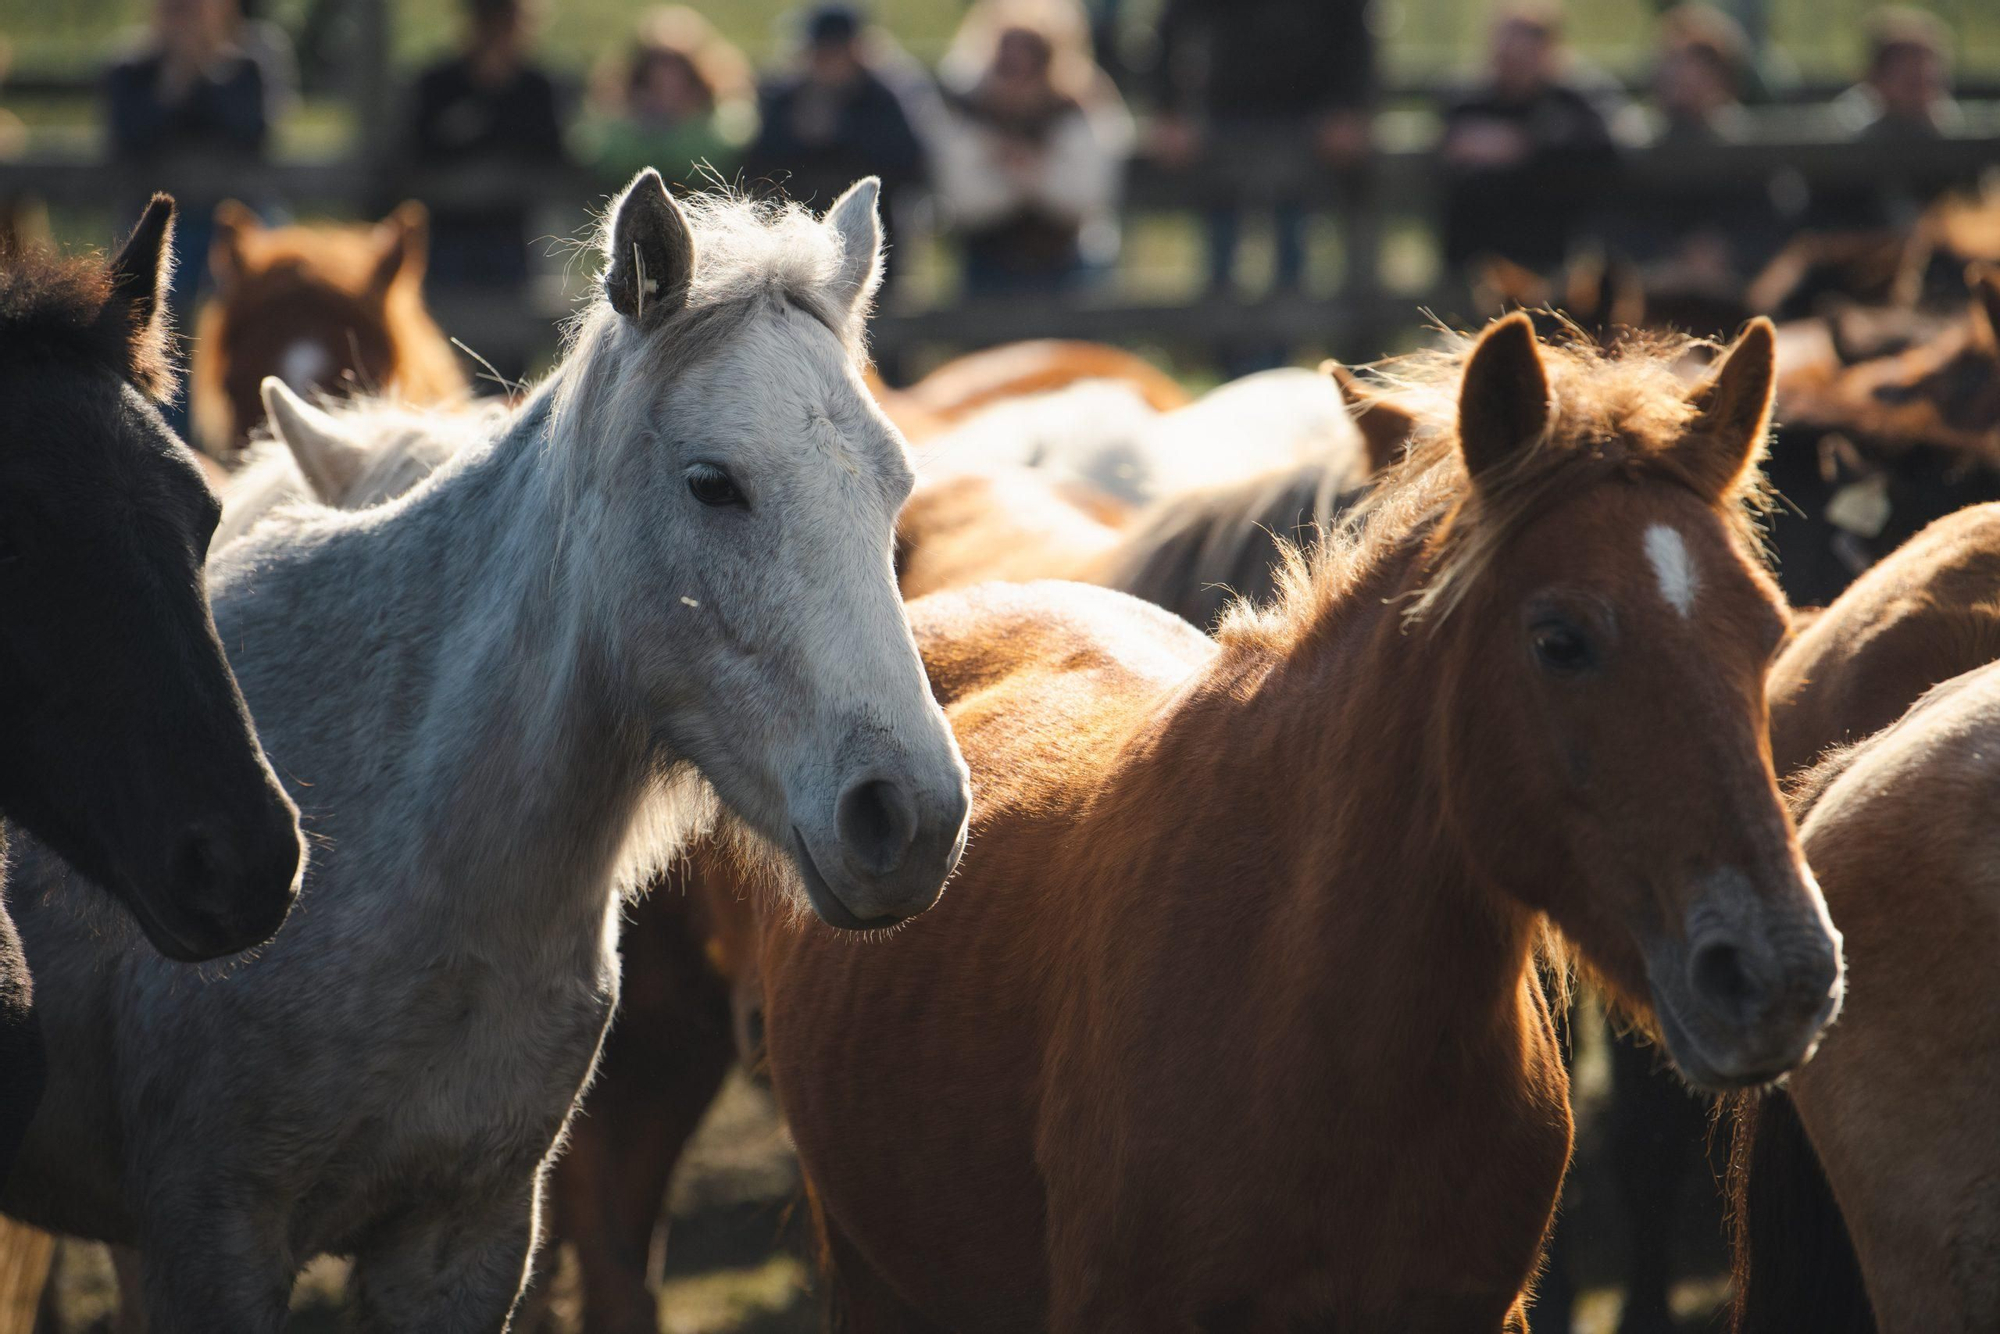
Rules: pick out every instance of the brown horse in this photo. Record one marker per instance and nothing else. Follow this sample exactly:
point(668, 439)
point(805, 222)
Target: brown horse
point(667, 1056)
point(1528, 685)
point(1928, 613)
point(323, 308)
point(1880, 1165)
point(960, 387)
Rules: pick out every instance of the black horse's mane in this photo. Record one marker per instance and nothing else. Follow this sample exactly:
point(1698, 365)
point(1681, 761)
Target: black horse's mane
point(54, 308)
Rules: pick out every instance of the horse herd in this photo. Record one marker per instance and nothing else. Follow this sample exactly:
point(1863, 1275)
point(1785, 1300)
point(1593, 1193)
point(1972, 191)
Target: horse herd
point(1241, 1012)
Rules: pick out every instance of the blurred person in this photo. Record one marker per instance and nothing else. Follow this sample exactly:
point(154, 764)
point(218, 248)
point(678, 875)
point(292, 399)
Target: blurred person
point(1712, 235)
point(1905, 94)
point(1528, 154)
point(1699, 71)
point(680, 98)
point(188, 92)
point(1233, 66)
point(839, 116)
point(1030, 149)
point(488, 105)
point(190, 89)
point(1903, 99)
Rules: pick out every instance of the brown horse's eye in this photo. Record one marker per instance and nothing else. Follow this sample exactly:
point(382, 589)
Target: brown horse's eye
point(715, 487)
point(1562, 648)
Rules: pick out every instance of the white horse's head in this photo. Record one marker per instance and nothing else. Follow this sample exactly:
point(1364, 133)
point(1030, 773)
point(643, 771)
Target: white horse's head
point(746, 511)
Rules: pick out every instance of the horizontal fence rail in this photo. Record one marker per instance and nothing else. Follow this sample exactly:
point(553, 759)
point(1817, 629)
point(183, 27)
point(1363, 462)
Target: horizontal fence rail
point(1248, 169)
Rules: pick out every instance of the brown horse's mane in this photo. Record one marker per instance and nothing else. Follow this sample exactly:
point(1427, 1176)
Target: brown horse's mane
point(54, 307)
point(1617, 410)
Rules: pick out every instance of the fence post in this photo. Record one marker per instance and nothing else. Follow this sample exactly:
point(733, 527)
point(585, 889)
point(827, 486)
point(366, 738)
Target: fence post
point(373, 85)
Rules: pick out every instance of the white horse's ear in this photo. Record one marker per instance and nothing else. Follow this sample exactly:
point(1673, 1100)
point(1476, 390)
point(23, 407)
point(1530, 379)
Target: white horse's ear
point(856, 220)
point(651, 257)
point(330, 458)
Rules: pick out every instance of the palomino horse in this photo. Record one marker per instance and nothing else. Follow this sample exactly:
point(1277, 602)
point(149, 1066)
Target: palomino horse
point(332, 308)
point(1526, 686)
point(674, 559)
point(1894, 1131)
point(1928, 613)
point(129, 752)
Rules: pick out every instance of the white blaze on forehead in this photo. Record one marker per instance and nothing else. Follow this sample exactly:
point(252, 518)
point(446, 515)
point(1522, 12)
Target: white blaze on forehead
point(1673, 567)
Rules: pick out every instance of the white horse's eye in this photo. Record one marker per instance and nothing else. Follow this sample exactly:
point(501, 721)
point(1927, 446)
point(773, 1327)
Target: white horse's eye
point(712, 485)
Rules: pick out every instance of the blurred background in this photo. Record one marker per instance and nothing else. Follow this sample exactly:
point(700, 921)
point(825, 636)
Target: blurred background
point(1221, 185)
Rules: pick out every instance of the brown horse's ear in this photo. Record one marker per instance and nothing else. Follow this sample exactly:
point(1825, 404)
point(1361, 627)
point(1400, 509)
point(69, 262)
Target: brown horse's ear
point(403, 243)
point(1503, 402)
point(1385, 425)
point(329, 457)
point(137, 306)
point(1984, 280)
point(651, 252)
point(1732, 412)
point(233, 225)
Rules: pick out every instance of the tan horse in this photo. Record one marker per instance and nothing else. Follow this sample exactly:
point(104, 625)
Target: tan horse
point(1927, 614)
point(327, 309)
point(1892, 1127)
point(1231, 1016)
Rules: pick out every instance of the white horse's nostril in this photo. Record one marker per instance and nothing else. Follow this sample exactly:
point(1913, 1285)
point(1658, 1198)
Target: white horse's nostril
point(876, 822)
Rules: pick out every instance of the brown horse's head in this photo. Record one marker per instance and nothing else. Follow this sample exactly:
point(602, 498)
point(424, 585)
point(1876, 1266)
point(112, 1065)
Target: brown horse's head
point(1607, 629)
point(323, 308)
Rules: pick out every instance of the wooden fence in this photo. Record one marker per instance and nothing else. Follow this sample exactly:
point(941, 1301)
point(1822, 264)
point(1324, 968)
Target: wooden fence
point(1400, 182)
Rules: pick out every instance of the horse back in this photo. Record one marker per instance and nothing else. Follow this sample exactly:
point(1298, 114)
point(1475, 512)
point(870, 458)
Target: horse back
point(1926, 614)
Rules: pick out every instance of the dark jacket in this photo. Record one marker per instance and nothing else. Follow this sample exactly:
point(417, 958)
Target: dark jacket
point(456, 121)
point(1529, 211)
point(814, 144)
point(1265, 59)
point(221, 112)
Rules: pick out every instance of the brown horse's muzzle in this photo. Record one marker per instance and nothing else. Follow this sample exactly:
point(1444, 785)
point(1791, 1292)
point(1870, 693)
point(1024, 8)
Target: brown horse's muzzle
point(1745, 992)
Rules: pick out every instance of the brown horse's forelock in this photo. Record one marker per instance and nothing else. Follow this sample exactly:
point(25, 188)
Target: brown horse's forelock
point(1615, 412)
point(53, 308)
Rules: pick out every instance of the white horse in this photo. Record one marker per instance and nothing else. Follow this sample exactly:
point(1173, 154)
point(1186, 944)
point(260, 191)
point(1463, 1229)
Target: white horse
point(1104, 433)
point(674, 558)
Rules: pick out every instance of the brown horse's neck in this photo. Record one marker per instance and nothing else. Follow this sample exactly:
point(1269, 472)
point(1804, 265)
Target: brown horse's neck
point(1341, 762)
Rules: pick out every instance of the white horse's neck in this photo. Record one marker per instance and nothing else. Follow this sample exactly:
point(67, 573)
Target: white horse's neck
point(464, 657)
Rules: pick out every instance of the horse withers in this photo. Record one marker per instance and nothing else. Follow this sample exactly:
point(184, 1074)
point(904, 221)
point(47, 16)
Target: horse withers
point(129, 749)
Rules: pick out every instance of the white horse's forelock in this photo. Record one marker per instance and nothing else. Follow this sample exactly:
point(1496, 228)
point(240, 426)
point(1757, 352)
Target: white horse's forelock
point(750, 256)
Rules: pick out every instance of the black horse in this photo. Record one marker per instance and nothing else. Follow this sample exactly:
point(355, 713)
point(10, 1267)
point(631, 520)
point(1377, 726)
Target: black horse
point(128, 750)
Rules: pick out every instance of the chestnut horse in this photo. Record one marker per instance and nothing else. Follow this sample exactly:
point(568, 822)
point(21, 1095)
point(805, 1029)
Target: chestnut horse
point(1868, 1194)
point(960, 387)
point(328, 308)
point(690, 1000)
point(1925, 615)
point(1526, 685)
